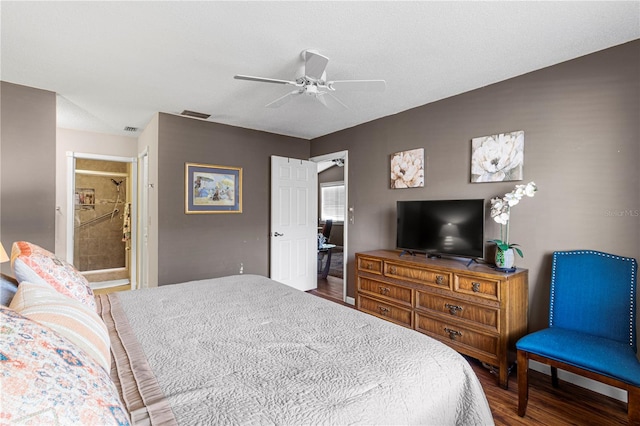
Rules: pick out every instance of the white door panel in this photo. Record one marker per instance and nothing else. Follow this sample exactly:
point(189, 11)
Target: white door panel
point(294, 205)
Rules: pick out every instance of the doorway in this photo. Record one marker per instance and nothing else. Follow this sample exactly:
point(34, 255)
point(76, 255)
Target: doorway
point(101, 231)
point(333, 186)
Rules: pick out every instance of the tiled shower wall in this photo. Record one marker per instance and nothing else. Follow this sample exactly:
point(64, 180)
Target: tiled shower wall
point(98, 233)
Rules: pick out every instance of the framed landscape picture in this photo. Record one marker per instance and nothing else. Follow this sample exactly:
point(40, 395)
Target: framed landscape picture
point(212, 189)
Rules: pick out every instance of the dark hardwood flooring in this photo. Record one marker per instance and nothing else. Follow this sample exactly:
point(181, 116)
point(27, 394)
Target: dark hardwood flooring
point(330, 288)
point(567, 405)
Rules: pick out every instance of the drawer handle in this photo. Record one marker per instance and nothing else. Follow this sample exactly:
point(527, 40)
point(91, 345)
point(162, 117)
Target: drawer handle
point(384, 290)
point(383, 310)
point(453, 309)
point(439, 279)
point(393, 269)
point(453, 334)
point(475, 287)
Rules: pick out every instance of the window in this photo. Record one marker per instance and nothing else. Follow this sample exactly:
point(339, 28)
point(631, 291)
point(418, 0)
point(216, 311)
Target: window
point(332, 201)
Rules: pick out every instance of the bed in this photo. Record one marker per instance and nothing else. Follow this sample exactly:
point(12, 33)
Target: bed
point(248, 350)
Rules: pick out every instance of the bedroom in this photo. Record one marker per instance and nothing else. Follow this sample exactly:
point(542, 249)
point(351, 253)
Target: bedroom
point(581, 148)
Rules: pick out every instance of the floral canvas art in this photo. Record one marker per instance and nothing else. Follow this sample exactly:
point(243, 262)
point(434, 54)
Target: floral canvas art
point(497, 158)
point(407, 169)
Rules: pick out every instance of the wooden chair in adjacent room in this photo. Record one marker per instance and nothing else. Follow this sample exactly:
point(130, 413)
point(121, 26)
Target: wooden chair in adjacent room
point(592, 325)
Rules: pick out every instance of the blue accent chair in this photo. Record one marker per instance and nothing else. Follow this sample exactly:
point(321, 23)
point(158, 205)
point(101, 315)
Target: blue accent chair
point(592, 325)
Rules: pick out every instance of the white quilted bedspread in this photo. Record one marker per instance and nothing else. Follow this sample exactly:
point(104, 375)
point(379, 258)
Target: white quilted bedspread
point(247, 350)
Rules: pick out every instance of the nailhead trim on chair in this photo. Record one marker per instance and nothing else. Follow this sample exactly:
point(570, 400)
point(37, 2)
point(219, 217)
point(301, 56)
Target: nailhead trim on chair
point(598, 253)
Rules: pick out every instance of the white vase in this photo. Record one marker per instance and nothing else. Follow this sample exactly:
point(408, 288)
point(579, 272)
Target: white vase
point(505, 259)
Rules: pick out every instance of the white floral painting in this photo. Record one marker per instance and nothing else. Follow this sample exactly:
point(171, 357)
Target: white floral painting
point(497, 158)
point(407, 169)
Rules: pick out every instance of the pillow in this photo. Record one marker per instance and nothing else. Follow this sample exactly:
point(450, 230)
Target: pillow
point(8, 288)
point(47, 380)
point(37, 265)
point(68, 317)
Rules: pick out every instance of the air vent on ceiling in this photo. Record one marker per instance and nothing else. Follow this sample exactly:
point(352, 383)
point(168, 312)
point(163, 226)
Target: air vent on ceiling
point(195, 114)
point(130, 129)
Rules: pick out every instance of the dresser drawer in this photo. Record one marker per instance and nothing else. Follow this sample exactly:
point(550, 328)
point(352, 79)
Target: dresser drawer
point(394, 293)
point(383, 310)
point(482, 287)
point(417, 275)
point(456, 335)
point(481, 315)
point(370, 265)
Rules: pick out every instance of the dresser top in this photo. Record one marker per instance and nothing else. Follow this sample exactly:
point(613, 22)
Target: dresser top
point(457, 264)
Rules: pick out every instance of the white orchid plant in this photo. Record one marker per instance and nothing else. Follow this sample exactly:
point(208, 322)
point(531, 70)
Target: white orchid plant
point(501, 213)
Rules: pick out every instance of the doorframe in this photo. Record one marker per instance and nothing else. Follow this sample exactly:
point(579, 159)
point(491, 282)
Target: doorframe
point(344, 155)
point(143, 253)
point(71, 184)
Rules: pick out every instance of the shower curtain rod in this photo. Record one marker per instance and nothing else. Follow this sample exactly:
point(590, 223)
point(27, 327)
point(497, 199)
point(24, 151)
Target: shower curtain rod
point(100, 173)
point(98, 218)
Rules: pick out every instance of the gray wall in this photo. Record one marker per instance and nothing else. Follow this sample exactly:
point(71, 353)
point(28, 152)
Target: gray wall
point(582, 148)
point(198, 246)
point(27, 167)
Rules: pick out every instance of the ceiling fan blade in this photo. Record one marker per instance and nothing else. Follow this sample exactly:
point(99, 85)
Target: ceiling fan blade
point(282, 100)
point(263, 79)
point(368, 85)
point(314, 64)
point(331, 102)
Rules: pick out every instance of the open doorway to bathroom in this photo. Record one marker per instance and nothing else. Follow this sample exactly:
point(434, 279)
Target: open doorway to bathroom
point(332, 221)
point(102, 241)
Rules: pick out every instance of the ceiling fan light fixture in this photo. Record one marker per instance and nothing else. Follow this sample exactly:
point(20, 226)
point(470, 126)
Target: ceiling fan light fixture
point(311, 80)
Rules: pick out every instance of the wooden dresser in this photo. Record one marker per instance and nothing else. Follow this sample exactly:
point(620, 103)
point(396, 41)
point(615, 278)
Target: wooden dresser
point(474, 309)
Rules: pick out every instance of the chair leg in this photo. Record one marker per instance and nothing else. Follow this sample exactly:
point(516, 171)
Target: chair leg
point(523, 382)
point(554, 377)
point(633, 406)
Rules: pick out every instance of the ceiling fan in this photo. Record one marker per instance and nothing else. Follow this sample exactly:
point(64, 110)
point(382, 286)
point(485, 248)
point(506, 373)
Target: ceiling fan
point(312, 81)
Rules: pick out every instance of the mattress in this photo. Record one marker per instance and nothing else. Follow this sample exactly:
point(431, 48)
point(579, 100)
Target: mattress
point(248, 350)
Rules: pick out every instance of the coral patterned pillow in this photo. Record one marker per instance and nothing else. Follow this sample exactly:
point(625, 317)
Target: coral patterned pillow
point(34, 264)
point(47, 380)
point(66, 316)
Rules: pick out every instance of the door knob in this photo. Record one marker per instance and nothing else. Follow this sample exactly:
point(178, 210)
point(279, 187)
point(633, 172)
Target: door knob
point(277, 234)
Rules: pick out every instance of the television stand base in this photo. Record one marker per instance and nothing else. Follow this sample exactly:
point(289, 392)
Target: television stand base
point(434, 256)
point(471, 261)
point(409, 252)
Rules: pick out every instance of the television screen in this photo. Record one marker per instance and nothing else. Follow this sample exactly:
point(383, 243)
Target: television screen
point(441, 227)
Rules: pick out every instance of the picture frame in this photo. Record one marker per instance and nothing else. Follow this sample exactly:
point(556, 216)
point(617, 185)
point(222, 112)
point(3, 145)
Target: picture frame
point(497, 158)
point(407, 169)
point(212, 189)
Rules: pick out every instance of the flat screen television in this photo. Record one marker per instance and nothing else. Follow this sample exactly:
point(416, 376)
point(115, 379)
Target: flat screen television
point(441, 227)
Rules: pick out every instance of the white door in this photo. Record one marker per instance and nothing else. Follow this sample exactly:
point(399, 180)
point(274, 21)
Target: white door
point(294, 227)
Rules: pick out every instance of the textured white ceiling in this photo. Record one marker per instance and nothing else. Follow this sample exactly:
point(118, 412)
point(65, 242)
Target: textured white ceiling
point(114, 64)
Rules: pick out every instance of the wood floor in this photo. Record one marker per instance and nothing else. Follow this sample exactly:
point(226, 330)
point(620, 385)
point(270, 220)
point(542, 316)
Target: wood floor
point(567, 405)
point(330, 288)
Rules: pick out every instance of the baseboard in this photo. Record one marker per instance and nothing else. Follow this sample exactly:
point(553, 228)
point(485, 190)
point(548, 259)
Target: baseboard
point(106, 284)
point(350, 300)
point(583, 382)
